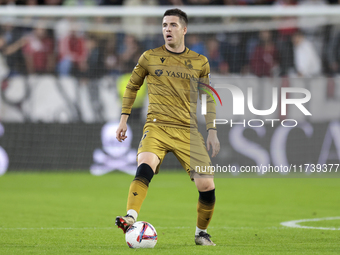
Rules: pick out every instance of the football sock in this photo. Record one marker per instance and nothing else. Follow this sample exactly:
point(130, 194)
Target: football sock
point(139, 187)
point(198, 230)
point(205, 208)
point(132, 213)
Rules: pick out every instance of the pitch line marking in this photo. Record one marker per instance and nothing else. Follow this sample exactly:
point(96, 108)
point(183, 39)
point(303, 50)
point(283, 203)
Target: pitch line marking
point(108, 228)
point(85, 228)
point(94, 228)
point(295, 223)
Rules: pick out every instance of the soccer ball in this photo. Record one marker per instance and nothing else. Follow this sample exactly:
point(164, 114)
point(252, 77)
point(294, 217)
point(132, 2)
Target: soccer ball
point(141, 235)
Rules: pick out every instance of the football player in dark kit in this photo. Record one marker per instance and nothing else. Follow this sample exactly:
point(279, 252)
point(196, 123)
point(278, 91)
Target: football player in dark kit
point(169, 126)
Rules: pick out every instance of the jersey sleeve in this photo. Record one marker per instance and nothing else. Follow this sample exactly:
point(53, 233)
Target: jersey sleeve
point(205, 68)
point(211, 109)
point(136, 81)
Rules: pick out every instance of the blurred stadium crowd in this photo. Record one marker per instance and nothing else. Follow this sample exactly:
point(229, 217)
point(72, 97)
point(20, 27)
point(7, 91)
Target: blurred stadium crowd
point(70, 70)
point(68, 49)
point(156, 2)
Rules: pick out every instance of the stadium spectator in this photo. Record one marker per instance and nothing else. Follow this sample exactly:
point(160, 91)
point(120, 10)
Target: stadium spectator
point(247, 2)
point(214, 57)
point(333, 1)
point(13, 41)
point(39, 2)
point(204, 2)
point(195, 44)
point(63, 27)
point(285, 49)
point(31, 2)
point(314, 33)
point(284, 43)
point(53, 2)
point(101, 36)
point(39, 51)
point(251, 41)
point(191, 2)
point(92, 72)
point(4, 71)
point(232, 51)
point(264, 58)
point(97, 28)
point(111, 63)
point(111, 2)
point(79, 2)
point(93, 68)
point(197, 2)
point(130, 54)
point(7, 2)
point(152, 41)
point(333, 51)
point(72, 53)
point(306, 60)
point(23, 2)
point(170, 2)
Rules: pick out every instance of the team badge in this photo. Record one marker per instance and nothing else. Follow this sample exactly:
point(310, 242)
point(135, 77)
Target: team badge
point(159, 72)
point(188, 64)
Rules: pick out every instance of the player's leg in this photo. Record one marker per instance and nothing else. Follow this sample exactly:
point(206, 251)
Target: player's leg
point(151, 152)
point(191, 152)
point(205, 208)
point(147, 165)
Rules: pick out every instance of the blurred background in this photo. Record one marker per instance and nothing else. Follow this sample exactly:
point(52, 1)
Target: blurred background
point(64, 65)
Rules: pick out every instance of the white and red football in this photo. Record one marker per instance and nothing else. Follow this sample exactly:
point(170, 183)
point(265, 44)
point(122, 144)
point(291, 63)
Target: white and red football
point(141, 235)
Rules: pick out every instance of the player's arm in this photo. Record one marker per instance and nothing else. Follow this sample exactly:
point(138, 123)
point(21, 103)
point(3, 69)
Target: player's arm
point(134, 84)
point(213, 142)
point(212, 139)
point(204, 89)
point(211, 109)
point(122, 128)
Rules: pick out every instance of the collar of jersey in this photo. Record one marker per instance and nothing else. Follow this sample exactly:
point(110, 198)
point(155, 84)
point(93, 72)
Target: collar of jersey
point(176, 52)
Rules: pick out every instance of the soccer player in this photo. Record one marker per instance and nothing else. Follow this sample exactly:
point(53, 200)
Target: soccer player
point(170, 71)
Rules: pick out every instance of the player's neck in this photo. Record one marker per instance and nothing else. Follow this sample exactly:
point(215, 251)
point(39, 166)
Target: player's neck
point(179, 49)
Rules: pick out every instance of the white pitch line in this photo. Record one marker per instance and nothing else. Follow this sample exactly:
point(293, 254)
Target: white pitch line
point(159, 227)
point(85, 228)
point(295, 223)
point(52, 228)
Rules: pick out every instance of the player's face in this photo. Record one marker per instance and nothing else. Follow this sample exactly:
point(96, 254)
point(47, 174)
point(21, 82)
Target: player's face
point(173, 31)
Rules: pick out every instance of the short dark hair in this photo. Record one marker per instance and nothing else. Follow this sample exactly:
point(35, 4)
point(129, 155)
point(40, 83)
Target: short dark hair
point(179, 13)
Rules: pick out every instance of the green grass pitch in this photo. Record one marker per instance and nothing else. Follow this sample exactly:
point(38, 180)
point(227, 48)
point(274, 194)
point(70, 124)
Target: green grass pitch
point(60, 213)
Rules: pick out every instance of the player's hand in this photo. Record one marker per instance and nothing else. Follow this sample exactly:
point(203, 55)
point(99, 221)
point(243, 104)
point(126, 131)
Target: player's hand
point(121, 130)
point(213, 142)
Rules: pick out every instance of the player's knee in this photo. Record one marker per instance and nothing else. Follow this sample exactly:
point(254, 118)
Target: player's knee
point(144, 173)
point(207, 197)
point(148, 158)
point(205, 184)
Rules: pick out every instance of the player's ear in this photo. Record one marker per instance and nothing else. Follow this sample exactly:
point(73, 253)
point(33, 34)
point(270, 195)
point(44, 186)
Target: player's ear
point(185, 30)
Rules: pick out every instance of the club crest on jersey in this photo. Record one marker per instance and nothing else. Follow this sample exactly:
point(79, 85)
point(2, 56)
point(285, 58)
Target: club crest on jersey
point(159, 72)
point(162, 59)
point(188, 64)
